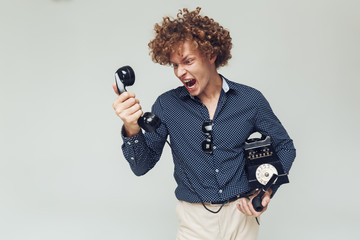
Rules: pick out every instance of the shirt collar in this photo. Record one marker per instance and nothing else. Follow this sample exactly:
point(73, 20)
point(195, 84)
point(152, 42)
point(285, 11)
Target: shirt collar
point(225, 85)
point(185, 93)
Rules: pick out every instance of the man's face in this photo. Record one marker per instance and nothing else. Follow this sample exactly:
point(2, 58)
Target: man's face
point(192, 68)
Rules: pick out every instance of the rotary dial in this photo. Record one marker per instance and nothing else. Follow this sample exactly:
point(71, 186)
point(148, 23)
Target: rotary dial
point(264, 172)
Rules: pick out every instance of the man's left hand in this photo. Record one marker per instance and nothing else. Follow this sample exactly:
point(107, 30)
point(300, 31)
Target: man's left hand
point(245, 206)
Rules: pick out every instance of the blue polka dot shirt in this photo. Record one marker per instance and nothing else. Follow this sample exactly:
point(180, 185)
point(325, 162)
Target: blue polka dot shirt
point(241, 111)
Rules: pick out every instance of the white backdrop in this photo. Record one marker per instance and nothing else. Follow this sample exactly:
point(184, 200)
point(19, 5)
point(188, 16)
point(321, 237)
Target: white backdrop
point(62, 173)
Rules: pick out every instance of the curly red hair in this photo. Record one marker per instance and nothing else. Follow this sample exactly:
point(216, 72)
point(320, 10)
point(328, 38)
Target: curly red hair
point(207, 35)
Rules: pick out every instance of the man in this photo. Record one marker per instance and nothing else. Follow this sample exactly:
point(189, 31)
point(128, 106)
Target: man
point(208, 120)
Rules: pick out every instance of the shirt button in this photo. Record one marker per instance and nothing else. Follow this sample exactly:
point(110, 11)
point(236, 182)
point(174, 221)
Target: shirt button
point(214, 147)
point(136, 141)
point(220, 191)
point(129, 143)
point(217, 170)
point(132, 158)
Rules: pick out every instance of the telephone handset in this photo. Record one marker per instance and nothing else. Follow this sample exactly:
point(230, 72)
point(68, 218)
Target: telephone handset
point(125, 76)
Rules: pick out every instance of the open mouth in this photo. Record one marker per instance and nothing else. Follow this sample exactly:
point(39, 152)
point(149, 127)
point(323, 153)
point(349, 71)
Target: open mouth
point(190, 83)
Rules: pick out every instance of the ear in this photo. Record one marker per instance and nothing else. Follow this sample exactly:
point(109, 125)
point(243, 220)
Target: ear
point(212, 59)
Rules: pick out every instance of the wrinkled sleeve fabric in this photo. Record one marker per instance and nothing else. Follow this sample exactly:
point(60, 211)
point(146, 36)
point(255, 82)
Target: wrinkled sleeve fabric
point(144, 150)
point(268, 124)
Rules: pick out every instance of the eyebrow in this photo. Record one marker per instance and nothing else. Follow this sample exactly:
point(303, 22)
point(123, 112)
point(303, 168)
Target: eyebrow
point(184, 58)
point(187, 57)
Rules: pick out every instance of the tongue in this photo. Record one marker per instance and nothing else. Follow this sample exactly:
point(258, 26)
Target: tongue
point(191, 83)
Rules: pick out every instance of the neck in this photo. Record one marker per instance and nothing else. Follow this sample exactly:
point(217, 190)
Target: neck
point(211, 96)
point(213, 90)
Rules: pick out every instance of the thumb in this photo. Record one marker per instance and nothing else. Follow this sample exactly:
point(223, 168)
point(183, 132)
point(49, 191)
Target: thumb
point(265, 201)
point(115, 89)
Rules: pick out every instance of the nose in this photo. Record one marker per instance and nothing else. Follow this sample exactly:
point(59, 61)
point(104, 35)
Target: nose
point(180, 71)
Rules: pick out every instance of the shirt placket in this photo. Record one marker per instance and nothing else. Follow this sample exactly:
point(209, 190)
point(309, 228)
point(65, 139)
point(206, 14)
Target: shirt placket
point(215, 164)
point(216, 159)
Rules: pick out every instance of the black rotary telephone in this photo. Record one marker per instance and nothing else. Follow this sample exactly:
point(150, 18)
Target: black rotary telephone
point(125, 76)
point(263, 167)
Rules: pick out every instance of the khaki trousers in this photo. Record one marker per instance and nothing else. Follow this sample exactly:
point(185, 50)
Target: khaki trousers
point(196, 223)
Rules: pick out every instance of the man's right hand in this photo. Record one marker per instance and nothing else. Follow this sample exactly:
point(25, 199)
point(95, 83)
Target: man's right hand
point(127, 107)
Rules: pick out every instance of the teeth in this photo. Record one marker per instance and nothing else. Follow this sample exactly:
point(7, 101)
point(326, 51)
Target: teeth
point(190, 83)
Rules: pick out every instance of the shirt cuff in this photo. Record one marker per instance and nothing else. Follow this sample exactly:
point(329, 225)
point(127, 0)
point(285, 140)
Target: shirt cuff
point(134, 139)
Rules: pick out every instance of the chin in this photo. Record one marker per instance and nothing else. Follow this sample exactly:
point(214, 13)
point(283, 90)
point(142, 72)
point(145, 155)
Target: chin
point(193, 93)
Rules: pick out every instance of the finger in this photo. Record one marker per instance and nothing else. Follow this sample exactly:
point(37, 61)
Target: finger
point(131, 110)
point(124, 101)
point(124, 96)
point(126, 113)
point(121, 98)
point(253, 211)
point(239, 206)
point(250, 205)
point(244, 208)
point(130, 103)
point(266, 200)
point(115, 89)
point(131, 119)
